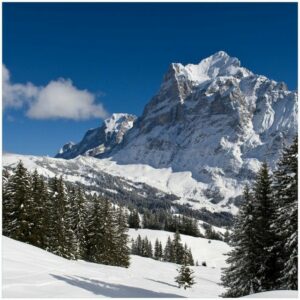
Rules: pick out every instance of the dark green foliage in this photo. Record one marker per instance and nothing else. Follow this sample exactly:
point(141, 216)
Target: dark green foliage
point(158, 251)
point(39, 194)
point(265, 235)
point(285, 222)
point(142, 247)
point(240, 278)
point(55, 217)
point(211, 234)
point(134, 220)
point(178, 249)
point(17, 204)
point(264, 210)
point(123, 251)
point(166, 221)
point(168, 251)
point(185, 276)
point(174, 251)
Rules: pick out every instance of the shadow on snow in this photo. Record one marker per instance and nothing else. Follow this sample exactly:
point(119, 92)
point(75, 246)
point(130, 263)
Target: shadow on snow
point(112, 290)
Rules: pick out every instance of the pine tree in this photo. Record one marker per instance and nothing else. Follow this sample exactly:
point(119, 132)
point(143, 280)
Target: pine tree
point(17, 202)
point(168, 251)
point(158, 253)
point(185, 276)
point(122, 255)
point(78, 217)
point(240, 277)
point(285, 223)
point(39, 196)
point(178, 249)
point(264, 210)
point(94, 232)
point(61, 239)
point(134, 219)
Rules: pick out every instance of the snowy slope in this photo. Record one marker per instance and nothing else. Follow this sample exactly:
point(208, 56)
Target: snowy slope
point(275, 294)
point(212, 253)
point(31, 272)
point(81, 169)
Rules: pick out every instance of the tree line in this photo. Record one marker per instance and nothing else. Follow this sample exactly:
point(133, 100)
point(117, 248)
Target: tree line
point(62, 219)
point(174, 251)
point(163, 220)
point(265, 233)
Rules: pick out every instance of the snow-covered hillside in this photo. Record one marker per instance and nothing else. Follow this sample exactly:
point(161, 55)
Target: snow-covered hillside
point(30, 272)
point(85, 170)
point(283, 294)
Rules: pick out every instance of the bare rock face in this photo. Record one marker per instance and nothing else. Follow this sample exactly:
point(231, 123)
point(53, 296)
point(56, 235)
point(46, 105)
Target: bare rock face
point(98, 141)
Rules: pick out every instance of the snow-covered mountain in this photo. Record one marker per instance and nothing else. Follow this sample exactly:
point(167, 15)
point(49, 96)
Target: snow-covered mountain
point(99, 140)
point(216, 120)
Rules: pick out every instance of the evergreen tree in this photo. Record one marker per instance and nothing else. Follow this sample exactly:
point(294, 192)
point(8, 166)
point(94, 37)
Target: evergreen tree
point(264, 211)
point(122, 255)
point(17, 203)
point(39, 196)
point(168, 251)
point(285, 223)
point(158, 253)
point(108, 226)
point(78, 217)
point(178, 249)
point(61, 239)
point(134, 219)
point(185, 276)
point(94, 232)
point(240, 277)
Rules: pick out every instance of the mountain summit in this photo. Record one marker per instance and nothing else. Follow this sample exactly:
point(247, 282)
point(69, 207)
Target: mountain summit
point(215, 119)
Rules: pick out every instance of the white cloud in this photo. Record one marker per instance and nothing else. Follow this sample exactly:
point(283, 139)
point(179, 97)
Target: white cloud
point(58, 99)
point(16, 95)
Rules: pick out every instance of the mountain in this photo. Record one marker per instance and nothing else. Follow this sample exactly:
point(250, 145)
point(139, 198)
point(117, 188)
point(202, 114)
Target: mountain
point(217, 120)
point(99, 140)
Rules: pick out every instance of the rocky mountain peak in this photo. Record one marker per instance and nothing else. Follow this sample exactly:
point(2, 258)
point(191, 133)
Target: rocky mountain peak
point(99, 140)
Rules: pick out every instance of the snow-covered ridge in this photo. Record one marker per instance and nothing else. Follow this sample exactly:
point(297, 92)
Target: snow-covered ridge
point(180, 184)
point(99, 140)
point(219, 64)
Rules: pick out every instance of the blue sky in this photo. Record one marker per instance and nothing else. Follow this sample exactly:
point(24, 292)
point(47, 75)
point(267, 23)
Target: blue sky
point(118, 53)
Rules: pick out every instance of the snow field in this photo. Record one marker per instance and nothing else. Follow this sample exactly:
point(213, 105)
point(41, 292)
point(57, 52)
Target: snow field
point(31, 272)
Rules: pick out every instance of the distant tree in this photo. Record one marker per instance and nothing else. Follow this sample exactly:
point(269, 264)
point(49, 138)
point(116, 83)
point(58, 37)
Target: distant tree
point(168, 251)
point(122, 256)
point(158, 252)
point(134, 219)
point(185, 276)
point(178, 249)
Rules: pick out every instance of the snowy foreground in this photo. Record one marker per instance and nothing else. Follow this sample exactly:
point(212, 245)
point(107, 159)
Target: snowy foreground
point(31, 272)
